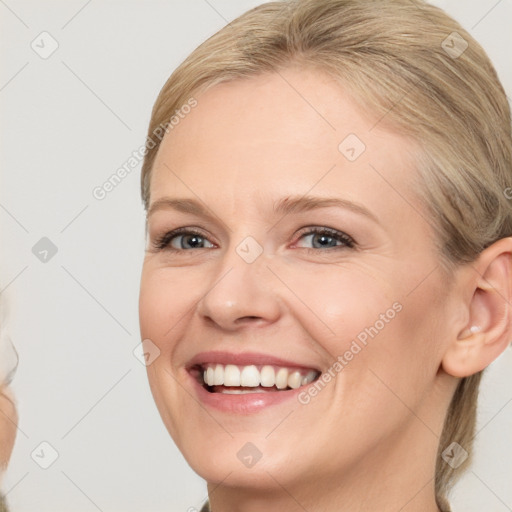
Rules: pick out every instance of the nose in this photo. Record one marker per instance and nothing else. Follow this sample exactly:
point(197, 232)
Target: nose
point(241, 294)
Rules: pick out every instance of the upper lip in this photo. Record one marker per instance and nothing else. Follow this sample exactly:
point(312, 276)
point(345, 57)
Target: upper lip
point(244, 359)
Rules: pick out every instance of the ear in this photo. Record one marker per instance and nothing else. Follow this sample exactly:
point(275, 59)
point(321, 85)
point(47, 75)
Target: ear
point(489, 328)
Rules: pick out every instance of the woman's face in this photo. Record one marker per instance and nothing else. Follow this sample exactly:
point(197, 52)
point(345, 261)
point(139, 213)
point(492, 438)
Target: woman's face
point(364, 300)
point(8, 422)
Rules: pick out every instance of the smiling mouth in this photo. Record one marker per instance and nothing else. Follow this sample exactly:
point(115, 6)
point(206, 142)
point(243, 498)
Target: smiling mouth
point(236, 379)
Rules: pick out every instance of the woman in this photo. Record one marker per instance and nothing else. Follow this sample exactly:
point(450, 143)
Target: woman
point(8, 413)
point(8, 422)
point(338, 168)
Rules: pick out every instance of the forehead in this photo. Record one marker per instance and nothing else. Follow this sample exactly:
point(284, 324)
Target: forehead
point(286, 133)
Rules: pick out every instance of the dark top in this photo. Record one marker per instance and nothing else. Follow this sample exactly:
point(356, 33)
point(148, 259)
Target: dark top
point(3, 504)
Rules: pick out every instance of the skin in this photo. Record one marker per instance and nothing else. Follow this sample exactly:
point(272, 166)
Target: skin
point(8, 423)
point(368, 440)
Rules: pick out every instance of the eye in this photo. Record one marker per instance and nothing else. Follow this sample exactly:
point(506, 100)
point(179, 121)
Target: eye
point(182, 239)
point(327, 238)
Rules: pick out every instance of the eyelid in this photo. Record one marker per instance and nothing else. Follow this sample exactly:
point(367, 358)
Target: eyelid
point(162, 242)
point(332, 232)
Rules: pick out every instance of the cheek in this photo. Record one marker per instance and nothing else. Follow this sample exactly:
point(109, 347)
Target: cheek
point(389, 326)
point(163, 300)
point(401, 355)
point(336, 304)
point(8, 422)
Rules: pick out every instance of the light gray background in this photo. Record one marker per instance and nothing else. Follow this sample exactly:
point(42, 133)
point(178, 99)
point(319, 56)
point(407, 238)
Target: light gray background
point(68, 122)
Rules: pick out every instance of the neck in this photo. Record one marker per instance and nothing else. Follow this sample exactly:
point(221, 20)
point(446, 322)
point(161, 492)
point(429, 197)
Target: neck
point(398, 474)
point(235, 499)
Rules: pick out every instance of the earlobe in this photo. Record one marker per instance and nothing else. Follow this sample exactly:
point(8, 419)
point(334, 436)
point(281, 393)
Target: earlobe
point(489, 328)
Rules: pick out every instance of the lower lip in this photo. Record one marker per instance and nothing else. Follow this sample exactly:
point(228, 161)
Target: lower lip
point(247, 403)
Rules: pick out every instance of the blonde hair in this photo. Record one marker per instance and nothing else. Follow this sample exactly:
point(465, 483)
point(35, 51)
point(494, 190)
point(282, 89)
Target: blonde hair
point(422, 75)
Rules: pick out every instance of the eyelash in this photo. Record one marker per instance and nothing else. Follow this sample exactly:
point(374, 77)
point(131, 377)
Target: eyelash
point(162, 242)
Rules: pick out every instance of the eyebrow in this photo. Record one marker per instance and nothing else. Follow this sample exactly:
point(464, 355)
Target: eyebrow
point(284, 206)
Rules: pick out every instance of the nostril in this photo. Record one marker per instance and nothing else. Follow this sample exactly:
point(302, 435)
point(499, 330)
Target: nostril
point(244, 318)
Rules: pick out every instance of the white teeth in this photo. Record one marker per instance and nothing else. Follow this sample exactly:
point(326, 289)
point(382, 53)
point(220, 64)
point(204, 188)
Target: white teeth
point(253, 377)
point(282, 378)
point(231, 375)
point(250, 377)
point(218, 375)
point(209, 376)
point(294, 380)
point(267, 376)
